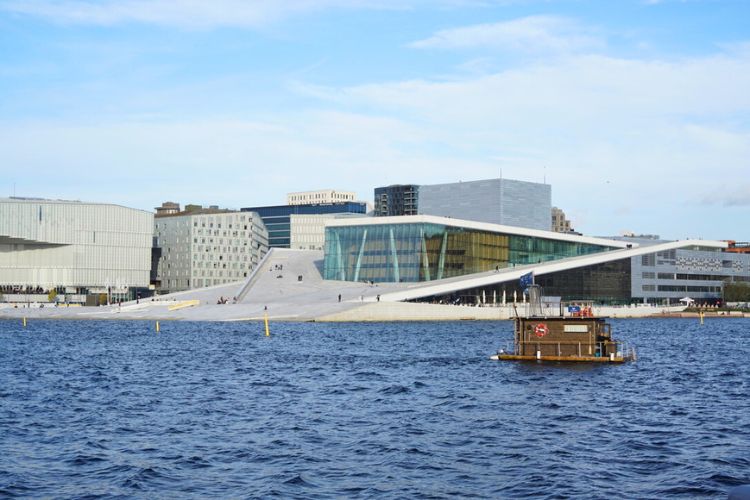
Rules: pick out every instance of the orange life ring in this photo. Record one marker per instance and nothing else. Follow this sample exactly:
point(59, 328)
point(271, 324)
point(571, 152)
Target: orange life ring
point(541, 330)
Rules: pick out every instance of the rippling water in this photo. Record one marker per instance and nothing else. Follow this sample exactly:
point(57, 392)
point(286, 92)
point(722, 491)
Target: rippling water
point(367, 410)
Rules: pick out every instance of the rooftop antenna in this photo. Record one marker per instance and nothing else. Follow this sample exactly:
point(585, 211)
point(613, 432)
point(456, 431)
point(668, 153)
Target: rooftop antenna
point(545, 174)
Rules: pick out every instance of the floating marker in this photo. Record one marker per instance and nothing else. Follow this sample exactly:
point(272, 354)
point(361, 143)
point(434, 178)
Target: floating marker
point(24, 322)
point(265, 320)
point(157, 327)
point(701, 316)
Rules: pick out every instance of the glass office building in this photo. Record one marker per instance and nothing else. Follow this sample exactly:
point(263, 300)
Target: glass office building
point(277, 219)
point(425, 251)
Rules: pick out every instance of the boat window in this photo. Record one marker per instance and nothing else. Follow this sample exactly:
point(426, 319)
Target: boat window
point(576, 328)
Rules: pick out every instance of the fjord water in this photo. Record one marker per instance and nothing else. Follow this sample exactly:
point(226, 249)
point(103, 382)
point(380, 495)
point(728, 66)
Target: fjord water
point(417, 410)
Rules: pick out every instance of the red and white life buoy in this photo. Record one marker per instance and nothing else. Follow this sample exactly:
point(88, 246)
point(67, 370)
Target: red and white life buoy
point(541, 330)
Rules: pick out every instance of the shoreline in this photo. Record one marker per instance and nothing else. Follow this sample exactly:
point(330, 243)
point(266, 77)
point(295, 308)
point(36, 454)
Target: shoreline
point(366, 314)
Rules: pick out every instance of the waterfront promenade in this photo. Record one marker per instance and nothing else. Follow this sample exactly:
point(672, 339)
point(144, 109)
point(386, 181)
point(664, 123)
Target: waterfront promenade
point(288, 286)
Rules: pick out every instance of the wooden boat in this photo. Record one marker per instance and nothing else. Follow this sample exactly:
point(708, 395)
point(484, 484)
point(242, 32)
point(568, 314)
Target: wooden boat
point(575, 337)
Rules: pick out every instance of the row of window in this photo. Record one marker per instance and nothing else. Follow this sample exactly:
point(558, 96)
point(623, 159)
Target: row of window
point(218, 224)
point(216, 265)
point(693, 277)
point(225, 233)
point(681, 288)
point(171, 276)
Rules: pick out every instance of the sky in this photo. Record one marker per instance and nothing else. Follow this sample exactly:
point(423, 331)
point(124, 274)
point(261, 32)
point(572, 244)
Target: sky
point(636, 112)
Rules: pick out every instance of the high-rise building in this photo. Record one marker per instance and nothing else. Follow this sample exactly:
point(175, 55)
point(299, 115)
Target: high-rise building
point(397, 199)
point(207, 247)
point(73, 248)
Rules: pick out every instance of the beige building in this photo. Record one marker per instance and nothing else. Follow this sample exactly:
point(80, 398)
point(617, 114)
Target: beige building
point(560, 224)
point(321, 196)
point(308, 232)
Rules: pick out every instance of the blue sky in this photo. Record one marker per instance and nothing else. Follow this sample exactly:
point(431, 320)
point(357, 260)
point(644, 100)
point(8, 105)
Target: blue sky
point(637, 112)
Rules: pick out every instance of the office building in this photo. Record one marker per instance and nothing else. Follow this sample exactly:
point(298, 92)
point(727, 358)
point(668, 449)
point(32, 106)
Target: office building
point(277, 219)
point(207, 247)
point(319, 197)
point(73, 248)
point(698, 273)
point(398, 199)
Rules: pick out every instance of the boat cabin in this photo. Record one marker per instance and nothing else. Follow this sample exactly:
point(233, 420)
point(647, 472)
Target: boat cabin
point(573, 335)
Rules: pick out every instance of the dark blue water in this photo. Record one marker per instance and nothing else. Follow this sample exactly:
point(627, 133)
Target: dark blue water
point(367, 410)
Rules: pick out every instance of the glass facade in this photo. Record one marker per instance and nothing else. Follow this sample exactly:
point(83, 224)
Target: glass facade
point(604, 283)
point(278, 218)
point(425, 252)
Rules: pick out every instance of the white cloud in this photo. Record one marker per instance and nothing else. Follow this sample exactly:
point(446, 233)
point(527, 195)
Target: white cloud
point(621, 139)
point(528, 34)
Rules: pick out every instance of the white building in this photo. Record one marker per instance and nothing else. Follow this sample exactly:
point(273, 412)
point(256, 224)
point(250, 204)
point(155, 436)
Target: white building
point(207, 248)
point(308, 232)
point(73, 247)
point(318, 197)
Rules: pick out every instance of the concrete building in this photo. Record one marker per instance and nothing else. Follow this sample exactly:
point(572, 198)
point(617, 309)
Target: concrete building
point(397, 199)
point(279, 223)
point(207, 248)
point(560, 223)
point(319, 197)
point(73, 248)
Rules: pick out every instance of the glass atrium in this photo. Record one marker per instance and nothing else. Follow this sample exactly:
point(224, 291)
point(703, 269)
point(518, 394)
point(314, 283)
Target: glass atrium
point(415, 252)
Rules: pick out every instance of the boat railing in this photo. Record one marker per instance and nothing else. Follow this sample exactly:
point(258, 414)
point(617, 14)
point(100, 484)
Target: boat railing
point(622, 349)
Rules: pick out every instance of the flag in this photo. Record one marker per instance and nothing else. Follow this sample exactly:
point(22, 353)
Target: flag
point(527, 280)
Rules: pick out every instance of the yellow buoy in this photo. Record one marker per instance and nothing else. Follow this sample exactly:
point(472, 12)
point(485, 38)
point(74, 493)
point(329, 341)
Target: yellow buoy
point(157, 327)
point(265, 320)
point(24, 322)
